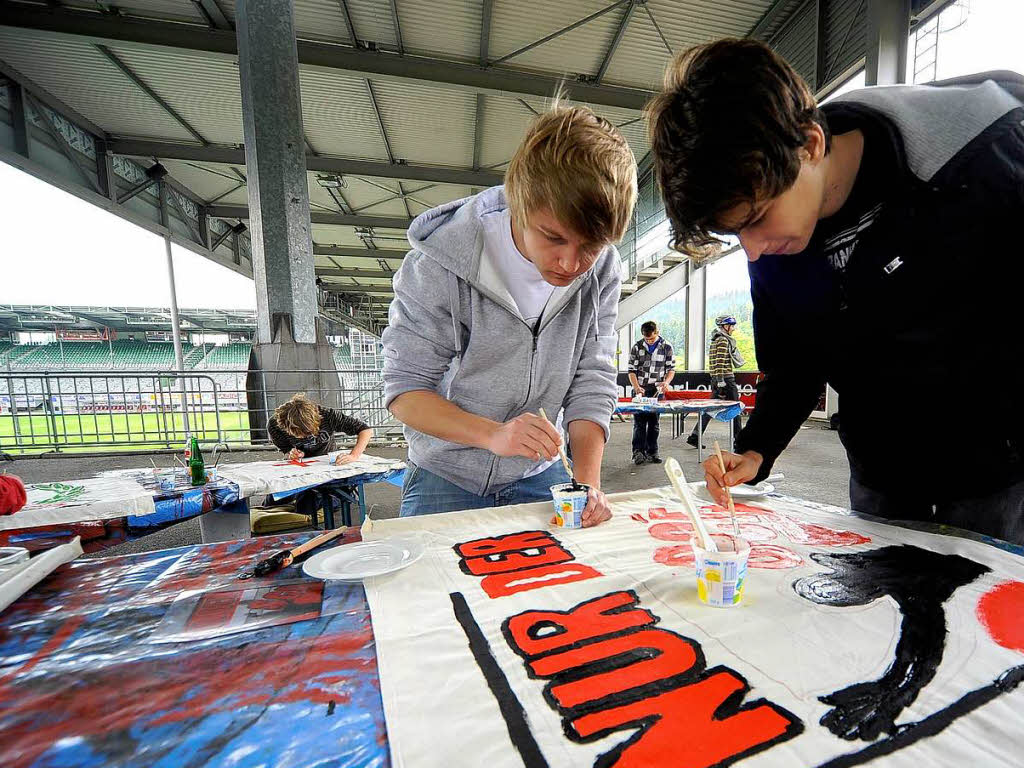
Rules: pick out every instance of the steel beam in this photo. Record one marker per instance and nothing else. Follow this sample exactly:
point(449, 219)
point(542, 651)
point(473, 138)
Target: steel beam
point(623, 23)
point(560, 32)
point(144, 87)
point(313, 54)
point(357, 252)
point(369, 274)
point(233, 155)
point(66, 149)
point(212, 13)
point(319, 217)
point(769, 19)
point(275, 161)
point(398, 27)
point(19, 120)
point(885, 49)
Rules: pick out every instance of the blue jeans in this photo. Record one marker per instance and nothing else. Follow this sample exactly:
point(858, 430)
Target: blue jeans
point(424, 493)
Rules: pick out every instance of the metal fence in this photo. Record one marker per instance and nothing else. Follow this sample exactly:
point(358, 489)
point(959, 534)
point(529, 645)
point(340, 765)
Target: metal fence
point(76, 411)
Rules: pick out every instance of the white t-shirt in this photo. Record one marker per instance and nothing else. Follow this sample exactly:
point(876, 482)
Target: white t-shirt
point(528, 288)
point(524, 282)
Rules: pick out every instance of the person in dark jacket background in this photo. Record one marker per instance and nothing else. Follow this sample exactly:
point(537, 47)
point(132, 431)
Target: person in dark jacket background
point(301, 428)
point(888, 217)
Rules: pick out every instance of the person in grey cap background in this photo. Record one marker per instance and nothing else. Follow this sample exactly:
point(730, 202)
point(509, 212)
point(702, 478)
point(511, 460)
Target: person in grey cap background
point(723, 358)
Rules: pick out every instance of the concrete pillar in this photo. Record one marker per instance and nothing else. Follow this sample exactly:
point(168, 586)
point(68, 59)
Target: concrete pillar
point(696, 321)
point(888, 35)
point(291, 352)
point(275, 161)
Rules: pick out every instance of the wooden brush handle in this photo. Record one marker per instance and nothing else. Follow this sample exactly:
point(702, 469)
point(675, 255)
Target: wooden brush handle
point(321, 539)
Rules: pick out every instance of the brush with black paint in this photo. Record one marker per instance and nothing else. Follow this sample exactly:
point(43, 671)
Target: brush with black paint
point(286, 557)
point(565, 459)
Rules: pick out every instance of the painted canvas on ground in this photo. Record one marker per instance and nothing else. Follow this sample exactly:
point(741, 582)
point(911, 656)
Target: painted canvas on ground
point(97, 498)
point(284, 475)
point(513, 644)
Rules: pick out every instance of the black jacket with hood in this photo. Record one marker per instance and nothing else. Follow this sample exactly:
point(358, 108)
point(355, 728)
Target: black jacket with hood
point(926, 356)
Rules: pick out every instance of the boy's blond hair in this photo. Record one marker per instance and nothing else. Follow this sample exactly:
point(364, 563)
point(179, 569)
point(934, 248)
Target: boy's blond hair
point(299, 417)
point(579, 167)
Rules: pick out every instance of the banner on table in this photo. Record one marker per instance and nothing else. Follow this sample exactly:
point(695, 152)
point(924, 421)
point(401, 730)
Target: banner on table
point(284, 475)
point(511, 643)
point(71, 501)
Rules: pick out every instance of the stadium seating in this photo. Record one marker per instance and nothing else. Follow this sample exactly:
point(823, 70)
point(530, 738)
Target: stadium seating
point(227, 357)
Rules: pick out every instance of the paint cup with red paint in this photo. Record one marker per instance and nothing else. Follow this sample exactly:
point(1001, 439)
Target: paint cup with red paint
point(721, 575)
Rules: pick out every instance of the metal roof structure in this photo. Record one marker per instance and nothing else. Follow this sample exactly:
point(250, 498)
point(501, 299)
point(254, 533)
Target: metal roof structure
point(34, 317)
point(135, 105)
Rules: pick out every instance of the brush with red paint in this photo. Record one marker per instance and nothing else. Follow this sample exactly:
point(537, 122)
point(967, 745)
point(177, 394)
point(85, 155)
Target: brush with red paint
point(286, 557)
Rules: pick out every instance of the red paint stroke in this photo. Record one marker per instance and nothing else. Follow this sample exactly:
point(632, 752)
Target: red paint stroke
point(1000, 611)
point(638, 517)
point(660, 513)
point(820, 536)
point(679, 556)
point(296, 463)
point(673, 531)
point(773, 557)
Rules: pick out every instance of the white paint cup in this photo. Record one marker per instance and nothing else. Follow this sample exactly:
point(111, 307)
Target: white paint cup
point(721, 575)
point(569, 504)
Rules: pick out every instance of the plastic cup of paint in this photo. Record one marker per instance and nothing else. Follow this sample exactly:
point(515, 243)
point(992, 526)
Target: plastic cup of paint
point(569, 504)
point(721, 575)
point(166, 483)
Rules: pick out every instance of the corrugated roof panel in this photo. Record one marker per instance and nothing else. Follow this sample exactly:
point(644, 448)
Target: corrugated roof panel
point(797, 42)
point(331, 234)
point(641, 56)
point(173, 10)
point(441, 193)
point(372, 20)
point(505, 124)
point(449, 28)
point(338, 116)
point(207, 182)
point(314, 19)
point(238, 197)
point(202, 89)
point(371, 200)
point(78, 74)
point(845, 32)
point(427, 125)
point(514, 25)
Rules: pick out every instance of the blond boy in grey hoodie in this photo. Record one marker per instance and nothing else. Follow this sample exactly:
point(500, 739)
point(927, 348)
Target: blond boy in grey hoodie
point(507, 305)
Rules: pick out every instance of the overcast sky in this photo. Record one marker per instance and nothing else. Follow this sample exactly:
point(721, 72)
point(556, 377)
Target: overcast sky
point(58, 249)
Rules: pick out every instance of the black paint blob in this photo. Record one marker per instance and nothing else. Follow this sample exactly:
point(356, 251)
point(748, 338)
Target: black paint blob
point(919, 582)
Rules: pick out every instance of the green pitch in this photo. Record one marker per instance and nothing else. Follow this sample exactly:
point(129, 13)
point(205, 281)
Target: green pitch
point(118, 431)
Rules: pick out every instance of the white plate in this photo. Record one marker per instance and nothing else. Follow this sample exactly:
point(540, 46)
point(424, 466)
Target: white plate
point(743, 491)
point(751, 491)
point(353, 562)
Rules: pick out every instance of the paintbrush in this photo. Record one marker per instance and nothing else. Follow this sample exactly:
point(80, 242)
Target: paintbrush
point(286, 557)
point(675, 474)
point(728, 493)
point(565, 459)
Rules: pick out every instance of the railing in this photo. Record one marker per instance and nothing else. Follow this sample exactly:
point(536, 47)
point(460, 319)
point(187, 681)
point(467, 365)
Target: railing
point(76, 411)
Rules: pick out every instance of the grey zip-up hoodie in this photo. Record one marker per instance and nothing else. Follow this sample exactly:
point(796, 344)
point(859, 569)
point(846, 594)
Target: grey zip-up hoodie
point(454, 329)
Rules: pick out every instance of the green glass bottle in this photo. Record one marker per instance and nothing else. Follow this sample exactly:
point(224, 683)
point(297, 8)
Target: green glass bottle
point(196, 467)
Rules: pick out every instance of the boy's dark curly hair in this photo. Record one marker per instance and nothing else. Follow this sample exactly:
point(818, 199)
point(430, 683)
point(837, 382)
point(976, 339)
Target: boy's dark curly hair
point(726, 130)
